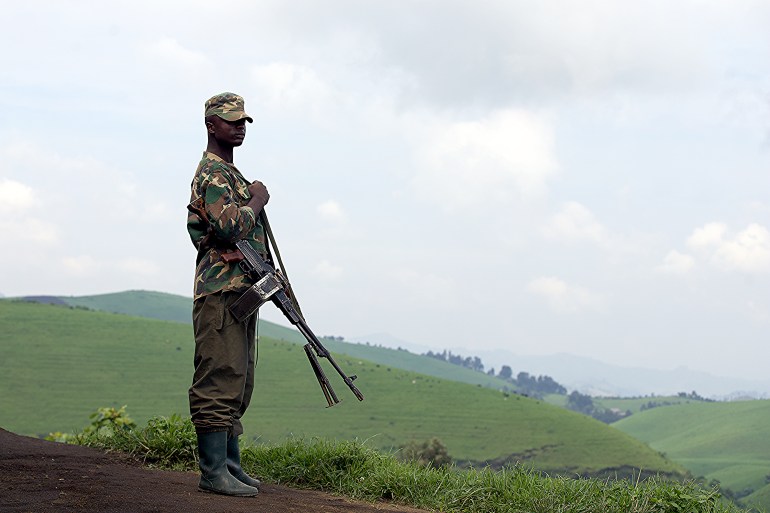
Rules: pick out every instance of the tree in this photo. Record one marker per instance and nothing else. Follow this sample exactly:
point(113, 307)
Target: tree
point(525, 381)
point(505, 372)
point(548, 385)
point(580, 403)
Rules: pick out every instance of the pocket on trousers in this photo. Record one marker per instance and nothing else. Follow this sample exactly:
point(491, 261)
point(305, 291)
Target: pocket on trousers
point(228, 298)
point(214, 311)
point(207, 313)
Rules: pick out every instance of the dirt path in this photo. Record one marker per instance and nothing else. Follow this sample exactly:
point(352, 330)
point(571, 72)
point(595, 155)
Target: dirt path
point(41, 477)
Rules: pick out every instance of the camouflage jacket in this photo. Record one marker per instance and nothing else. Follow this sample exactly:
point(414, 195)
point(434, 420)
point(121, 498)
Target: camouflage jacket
point(220, 193)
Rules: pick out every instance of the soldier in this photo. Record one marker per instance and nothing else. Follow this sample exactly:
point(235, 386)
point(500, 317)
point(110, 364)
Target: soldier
point(224, 208)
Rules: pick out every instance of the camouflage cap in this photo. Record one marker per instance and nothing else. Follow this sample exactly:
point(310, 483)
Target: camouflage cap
point(228, 106)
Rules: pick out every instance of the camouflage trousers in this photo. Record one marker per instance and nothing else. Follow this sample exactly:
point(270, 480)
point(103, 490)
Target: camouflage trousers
point(224, 365)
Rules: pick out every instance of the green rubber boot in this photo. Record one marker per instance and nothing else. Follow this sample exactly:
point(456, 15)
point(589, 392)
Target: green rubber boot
point(212, 448)
point(234, 464)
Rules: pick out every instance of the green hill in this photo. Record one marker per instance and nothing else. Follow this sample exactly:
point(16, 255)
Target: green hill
point(59, 364)
point(141, 303)
point(637, 404)
point(171, 307)
point(723, 441)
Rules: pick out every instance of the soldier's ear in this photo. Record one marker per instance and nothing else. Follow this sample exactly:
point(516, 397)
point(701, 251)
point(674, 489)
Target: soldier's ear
point(210, 127)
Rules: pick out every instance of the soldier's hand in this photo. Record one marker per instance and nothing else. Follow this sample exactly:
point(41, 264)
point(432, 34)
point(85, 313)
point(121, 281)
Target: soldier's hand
point(259, 195)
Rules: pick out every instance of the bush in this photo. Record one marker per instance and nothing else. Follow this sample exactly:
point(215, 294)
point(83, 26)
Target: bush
point(104, 422)
point(168, 442)
point(429, 453)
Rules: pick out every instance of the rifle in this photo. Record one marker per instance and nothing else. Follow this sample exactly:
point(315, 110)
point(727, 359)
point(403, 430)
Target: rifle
point(272, 285)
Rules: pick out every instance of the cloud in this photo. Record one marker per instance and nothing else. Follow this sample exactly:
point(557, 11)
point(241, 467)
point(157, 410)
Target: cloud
point(418, 287)
point(138, 266)
point(746, 251)
point(81, 185)
point(676, 263)
point(154, 211)
point(710, 234)
point(80, 265)
point(331, 211)
point(292, 87)
point(18, 203)
point(575, 222)
point(757, 311)
point(32, 230)
point(170, 50)
point(94, 266)
point(565, 298)
point(77, 202)
point(465, 163)
point(15, 196)
point(514, 51)
point(328, 271)
point(333, 224)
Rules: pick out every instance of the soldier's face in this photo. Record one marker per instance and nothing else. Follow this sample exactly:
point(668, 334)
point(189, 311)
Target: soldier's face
point(231, 133)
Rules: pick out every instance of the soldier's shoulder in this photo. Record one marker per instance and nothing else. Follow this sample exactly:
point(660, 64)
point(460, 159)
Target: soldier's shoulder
point(210, 166)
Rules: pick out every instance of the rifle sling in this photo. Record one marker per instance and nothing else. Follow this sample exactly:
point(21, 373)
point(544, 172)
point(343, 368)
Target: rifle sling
point(271, 242)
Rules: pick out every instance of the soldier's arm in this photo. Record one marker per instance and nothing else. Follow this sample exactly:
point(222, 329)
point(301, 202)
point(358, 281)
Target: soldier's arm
point(230, 215)
point(259, 196)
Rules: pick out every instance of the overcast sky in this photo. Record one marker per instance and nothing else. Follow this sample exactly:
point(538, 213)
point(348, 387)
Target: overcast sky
point(584, 177)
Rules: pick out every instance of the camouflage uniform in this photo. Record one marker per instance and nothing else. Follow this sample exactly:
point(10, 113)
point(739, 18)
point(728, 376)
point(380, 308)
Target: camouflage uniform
point(224, 348)
point(222, 191)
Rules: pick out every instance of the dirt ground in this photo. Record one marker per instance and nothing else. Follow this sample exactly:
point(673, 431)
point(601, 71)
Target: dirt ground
point(41, 477)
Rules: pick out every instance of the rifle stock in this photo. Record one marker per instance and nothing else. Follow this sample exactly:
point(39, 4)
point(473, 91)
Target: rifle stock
point(271, 286)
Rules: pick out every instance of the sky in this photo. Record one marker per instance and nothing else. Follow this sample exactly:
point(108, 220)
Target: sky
point(549, 177)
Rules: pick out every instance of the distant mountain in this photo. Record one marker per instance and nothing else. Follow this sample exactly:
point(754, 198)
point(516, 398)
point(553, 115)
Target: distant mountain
point(388, 340)
point(47, 300)
point(590, 376)
point(596, 378)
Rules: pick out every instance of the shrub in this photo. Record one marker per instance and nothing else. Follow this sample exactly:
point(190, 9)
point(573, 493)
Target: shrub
point(429, 453)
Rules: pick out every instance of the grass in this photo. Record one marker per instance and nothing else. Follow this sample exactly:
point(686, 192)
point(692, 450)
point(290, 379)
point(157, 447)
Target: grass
point(140, 303)
point(635, 404)
point(724, 441)
point(59, 364)
point(355, 470)
point(162, 306)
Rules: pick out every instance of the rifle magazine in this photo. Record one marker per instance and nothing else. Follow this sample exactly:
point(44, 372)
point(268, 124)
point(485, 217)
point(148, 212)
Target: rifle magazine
point(254, 297)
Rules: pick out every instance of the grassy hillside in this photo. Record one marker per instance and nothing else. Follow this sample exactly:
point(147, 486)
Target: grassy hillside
point(140, 303)
point(171, 307)
point(637, 404)
point(59, 364)
point(632, 404)
point(723, 441)
point(417, 363)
